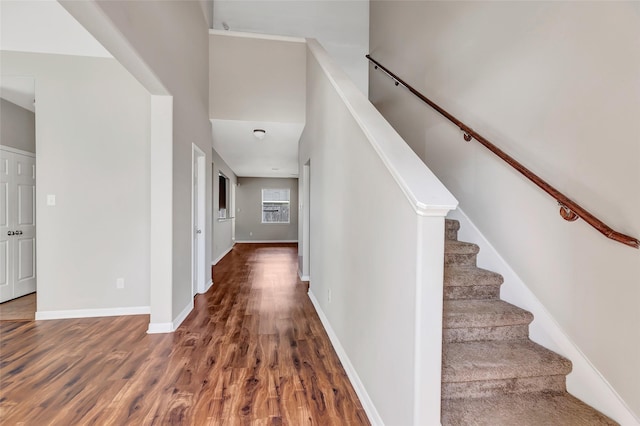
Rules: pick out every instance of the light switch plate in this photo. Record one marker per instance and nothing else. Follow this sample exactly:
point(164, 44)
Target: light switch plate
point(51, 200)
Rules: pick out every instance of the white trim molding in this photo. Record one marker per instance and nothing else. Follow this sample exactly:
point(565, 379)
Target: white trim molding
point(358, 386)
point(219, 258)
point(265, 241)
point(260, 36)
point(170, 327)
point(17, 151)
point(208, 286)
point(92, 313)
point(182, 315)
point(160, 327)
point(585, 381)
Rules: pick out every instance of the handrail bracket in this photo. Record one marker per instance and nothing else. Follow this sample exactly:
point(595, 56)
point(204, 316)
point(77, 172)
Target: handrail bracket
point(567, 214)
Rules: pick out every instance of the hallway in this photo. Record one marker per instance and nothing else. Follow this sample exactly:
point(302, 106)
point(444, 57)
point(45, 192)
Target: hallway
point(253, 351)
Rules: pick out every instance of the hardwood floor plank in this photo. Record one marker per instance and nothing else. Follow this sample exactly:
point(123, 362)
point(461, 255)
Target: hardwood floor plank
point(20, 309)
point(252, 352)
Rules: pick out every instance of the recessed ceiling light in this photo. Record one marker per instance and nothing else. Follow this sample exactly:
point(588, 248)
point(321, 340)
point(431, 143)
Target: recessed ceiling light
point(259, 133)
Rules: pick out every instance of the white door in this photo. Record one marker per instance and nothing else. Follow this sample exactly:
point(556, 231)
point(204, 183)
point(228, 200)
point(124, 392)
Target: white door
point(198, 217)
point(17, 225)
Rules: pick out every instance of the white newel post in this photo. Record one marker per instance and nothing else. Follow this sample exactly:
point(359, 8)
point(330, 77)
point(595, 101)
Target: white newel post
point(428, 327)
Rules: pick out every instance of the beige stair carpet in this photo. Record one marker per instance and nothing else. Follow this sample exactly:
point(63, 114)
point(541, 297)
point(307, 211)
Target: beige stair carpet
point(492, 374)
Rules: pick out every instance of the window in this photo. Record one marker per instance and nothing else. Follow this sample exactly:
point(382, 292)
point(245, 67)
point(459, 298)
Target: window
point(275, 206)
point(223, 184)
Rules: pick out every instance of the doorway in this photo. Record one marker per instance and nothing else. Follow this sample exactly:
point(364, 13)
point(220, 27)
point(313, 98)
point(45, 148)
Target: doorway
point(198, 221)
point(17, 198)
point(17, 224)
point(305, 265)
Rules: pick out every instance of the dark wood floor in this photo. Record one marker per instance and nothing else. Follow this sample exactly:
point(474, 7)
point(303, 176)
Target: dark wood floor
point(253, 351)
point(20, 309)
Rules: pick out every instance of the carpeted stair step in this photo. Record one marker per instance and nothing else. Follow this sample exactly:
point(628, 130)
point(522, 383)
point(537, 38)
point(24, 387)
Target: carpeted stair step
point(481, 320)
point(451, 228)
point(460, 253)
point(471, 283)
point(493, 368)
point(492, 374)
point(531, 409)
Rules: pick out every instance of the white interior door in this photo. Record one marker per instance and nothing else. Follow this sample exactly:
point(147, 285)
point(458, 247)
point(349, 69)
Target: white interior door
point(17, 225)
point(198, 221)
point(6, 237)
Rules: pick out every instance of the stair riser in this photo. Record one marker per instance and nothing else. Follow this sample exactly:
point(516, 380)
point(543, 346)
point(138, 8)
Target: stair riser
point(459, 259)
point(476, 334)
point(471, 292)
point(489, 388)
point(451, 234)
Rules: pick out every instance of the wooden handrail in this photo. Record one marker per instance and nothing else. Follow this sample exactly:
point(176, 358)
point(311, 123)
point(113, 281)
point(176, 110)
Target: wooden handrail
point(569, 209)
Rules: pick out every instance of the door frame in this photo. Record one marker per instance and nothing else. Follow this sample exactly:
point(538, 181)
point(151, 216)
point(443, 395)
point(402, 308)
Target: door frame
point(198, 219)
point(305, 255)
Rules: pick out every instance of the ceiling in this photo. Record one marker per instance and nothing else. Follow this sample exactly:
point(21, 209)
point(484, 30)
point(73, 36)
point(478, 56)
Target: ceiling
point(274, 156)
point(42, 26)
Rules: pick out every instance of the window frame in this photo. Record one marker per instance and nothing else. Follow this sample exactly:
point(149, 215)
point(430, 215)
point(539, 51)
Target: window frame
point(223, 212)
point(283, 202)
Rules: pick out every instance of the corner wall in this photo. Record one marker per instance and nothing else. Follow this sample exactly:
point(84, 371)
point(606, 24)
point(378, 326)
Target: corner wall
point(376, 248)
point(92, 149)
point(555, 84)
point(170, 39)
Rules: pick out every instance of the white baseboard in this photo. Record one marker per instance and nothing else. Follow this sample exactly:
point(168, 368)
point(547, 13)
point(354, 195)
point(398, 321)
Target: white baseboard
point(207, 286)
point(585, 381)
point(365, 400)
point(265, 241)
point(91, 313)
point(170, 327)
point(304, 278)
point(219, 258)
point(160, 327)
point(183, 315)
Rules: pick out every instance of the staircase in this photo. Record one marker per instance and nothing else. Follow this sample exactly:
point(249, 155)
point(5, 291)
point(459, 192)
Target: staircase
point(492, 374)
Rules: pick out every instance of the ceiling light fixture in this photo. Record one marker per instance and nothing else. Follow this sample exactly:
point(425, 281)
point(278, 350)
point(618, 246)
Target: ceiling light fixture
point(259, 133)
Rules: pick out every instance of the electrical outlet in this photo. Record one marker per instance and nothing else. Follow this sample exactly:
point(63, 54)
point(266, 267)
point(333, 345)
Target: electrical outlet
point(329, 295)
point(120, 283)
point(251, 234)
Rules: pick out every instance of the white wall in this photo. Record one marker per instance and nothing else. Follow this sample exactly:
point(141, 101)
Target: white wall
point(249, 226)
point(93, 154)
point(223, 229)
point(17, 127)
point(376, 248)
point(256, 79)
point(342, 27)
point(171, 39)
point(557, 85)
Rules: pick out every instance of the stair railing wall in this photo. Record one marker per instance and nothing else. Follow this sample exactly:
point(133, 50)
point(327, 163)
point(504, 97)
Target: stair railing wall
point(376, 248)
